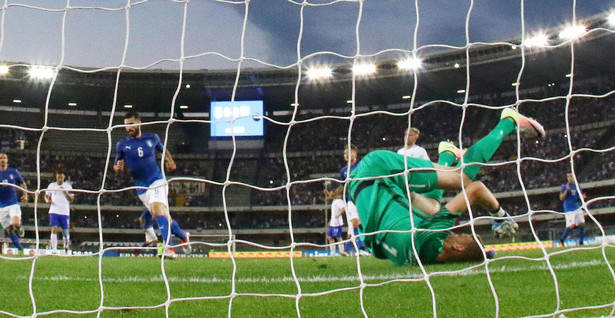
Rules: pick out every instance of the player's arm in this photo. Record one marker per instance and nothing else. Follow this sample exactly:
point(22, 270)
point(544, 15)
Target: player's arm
point(563, 192)
point(118, 164)
point(169, 162)
point(335, 193)
point(47, 196)
point(24, 194)
point(22, 183)
point(69, 196)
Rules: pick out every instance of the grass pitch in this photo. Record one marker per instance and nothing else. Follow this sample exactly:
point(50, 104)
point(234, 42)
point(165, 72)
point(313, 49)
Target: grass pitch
point(201, 287)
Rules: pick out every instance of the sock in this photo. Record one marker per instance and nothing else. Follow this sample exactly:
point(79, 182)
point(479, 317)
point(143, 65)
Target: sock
point(332, 249)
point(483, 150)
point(163, 225)
point(66, 239)
point(341, 245)
point(565, 234)
point(447, 159)
point(175, 229)
point(15, 239)
point(581, 234)
point(54, 241)
point(499, 212)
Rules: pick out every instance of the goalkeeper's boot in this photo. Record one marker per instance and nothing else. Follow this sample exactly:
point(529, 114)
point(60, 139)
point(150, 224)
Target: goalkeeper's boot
point(528, 127)
point(449, 146)
point(504, 228)
point(21, 232)
point(187, 248)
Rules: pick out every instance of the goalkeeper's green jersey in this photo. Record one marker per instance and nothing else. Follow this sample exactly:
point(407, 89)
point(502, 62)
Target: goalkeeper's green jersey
point(383, 205)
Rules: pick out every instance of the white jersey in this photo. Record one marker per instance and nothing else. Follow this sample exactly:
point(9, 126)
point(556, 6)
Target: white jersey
point(414, 152)
point(337, 207)
point(59, 202)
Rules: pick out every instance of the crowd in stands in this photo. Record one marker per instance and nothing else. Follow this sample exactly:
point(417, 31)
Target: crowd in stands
point(315, 151)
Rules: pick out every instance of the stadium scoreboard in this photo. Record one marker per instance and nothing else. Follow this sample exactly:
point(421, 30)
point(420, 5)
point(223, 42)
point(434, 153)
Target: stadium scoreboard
point(239, 118)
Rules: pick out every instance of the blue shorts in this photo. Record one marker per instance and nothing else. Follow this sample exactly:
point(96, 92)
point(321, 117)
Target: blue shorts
point(335, 232)
point(59, 220)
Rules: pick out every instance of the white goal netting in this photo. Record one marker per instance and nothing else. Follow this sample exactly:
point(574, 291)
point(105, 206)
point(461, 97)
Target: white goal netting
point(331, 74)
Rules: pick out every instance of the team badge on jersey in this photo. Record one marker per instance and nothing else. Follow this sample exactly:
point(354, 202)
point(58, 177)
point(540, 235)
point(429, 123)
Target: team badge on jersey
point(149, 143)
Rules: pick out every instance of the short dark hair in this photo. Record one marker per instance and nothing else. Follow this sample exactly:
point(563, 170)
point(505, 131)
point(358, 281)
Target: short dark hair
point(353, 148)
point(132, 114)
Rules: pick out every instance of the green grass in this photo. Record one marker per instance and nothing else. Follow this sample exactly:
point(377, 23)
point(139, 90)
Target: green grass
point(265, 287)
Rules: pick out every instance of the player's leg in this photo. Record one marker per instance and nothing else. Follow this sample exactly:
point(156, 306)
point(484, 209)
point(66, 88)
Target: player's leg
point(483, 150)
point(570, 221)
point(330, 240)
point(580, 223)
point(53, 238)
point(340, 244)
point(15, 230)
point(157, 202)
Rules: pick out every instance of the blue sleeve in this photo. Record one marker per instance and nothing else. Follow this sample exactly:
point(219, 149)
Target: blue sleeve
point(120, 152)
point(159, 146)
point(563, 188)
point(19, 179)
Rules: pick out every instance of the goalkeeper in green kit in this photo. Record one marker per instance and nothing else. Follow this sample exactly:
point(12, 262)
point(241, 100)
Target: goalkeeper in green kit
point(379, 190)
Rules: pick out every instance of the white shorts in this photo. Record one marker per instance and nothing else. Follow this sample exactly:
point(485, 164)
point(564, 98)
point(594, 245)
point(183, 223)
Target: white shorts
point(351, 211)
point(150, 235)
point(7, 212)
point(159, 192)
point(574, 218)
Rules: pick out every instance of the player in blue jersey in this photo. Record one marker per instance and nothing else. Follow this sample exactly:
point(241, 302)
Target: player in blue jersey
point(10, 211)
point(350, 156)
point(138, 153)
point(571, 199)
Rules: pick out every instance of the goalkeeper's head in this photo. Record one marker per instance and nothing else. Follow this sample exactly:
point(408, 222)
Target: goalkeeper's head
point(133, 119)
point(461, 248)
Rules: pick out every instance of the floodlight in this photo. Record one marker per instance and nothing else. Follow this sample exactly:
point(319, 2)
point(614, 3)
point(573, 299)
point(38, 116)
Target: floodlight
point(572, 32)
point(183, 107)
point(364, 69)
point(319, 73)
point(461, 91)
point(538, 40)
point(410, 64)
point(127, 106)
point(4, 69)
point(611, 19)
point(41, 72)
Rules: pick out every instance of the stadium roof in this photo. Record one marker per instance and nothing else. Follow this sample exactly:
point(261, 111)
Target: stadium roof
point(494, 68)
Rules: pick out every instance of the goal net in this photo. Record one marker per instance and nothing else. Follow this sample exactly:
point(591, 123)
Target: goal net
point(331, 74)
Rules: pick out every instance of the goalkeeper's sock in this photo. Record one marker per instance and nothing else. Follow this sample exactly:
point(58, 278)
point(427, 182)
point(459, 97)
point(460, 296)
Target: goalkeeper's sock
point(175, 229)
point(499, 212)
point(15, 239)
point(483, 150)
point(53, 240)
point(581, 234)
point(163, 226)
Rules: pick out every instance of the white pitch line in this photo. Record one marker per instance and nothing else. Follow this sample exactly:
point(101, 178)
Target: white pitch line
point(313, 279)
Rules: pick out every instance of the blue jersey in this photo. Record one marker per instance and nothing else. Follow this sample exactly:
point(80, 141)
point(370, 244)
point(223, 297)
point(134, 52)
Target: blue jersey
point(344, 172)
point(572, 201)
point(8, 194)
point(148, 220)
point(139, 155)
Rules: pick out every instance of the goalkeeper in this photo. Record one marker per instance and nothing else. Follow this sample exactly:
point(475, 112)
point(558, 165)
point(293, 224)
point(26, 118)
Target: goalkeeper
point(383, 203)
